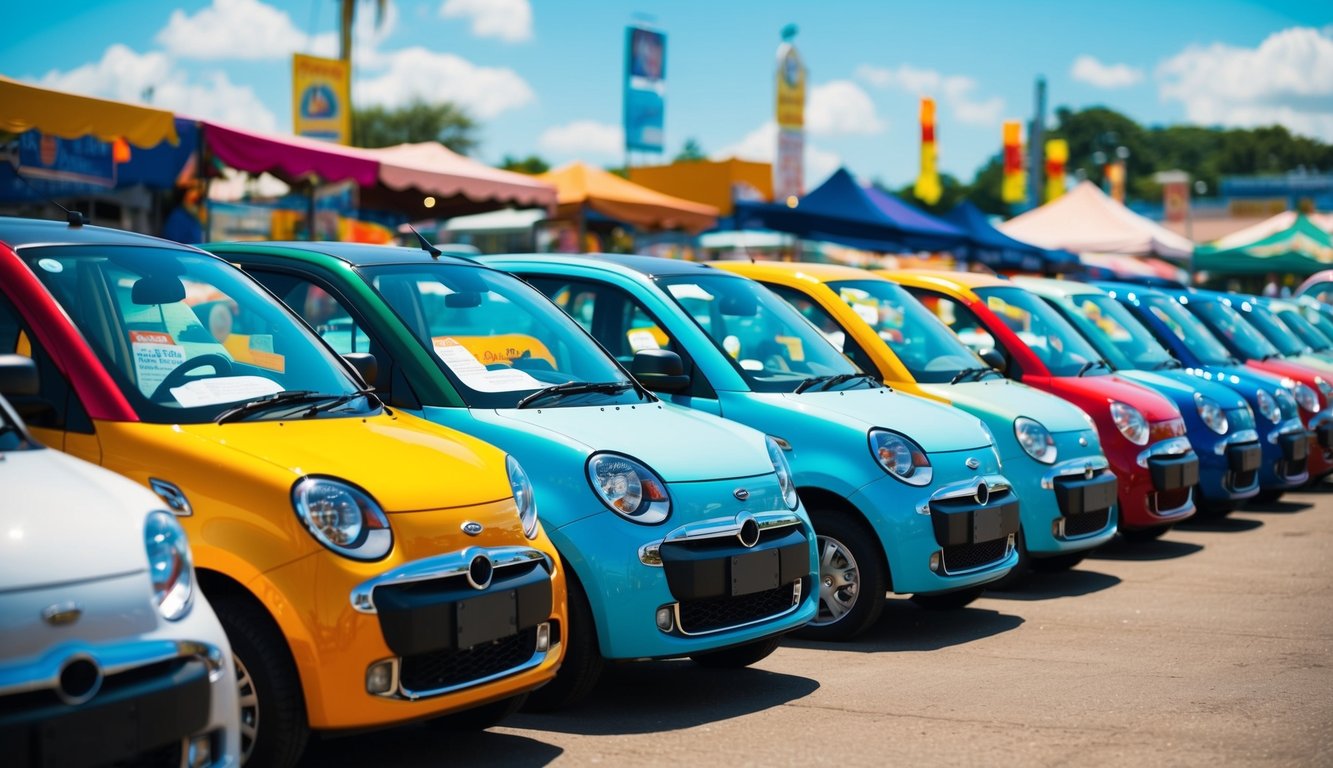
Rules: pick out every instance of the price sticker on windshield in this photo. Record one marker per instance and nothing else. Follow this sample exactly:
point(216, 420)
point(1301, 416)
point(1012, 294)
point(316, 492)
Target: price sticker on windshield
point(155, 355)
point(471, 372)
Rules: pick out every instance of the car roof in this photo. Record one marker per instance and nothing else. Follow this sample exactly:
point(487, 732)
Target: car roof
point(823, 273)
point(651, 266)
point(354, 254)
point(1049, 287)
point(20, 232)
point(965, 279)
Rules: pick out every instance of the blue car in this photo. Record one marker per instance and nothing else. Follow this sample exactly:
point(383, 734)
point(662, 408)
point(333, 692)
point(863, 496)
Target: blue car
point(906, 494)
point(1277, 416)
point(681, 533)
point(1218, 420)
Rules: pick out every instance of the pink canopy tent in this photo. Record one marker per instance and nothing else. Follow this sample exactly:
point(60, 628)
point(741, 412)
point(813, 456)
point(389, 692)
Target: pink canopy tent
point(290, 158)
point(1088, 220)
point(409, 173)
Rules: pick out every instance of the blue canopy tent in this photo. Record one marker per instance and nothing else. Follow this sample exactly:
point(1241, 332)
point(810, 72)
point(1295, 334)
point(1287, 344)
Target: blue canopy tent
point(842, 211)
point(991, 247)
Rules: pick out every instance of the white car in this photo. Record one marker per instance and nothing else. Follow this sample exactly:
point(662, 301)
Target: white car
point(109, 652)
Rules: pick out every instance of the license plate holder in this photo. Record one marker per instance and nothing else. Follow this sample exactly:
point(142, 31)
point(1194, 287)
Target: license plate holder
point(755, 572)
point(486, 618)
point(987, 524)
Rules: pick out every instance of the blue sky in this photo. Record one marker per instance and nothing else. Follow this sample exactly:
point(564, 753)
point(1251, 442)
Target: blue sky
point(544, 76)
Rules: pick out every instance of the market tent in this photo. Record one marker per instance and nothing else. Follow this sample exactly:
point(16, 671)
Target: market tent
point(290, 158)
point(991, 247)
point(842, 211)
point(1119, 266)
point(1270, 226)
point(410, 172)
point(1303, 248)
point(581, 188)
point(1088, 220)
point(24, 107)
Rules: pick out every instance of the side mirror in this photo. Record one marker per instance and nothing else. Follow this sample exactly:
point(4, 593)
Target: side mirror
point(18, 375)
point(365, 366)
point(659, 370)
point(992, 357)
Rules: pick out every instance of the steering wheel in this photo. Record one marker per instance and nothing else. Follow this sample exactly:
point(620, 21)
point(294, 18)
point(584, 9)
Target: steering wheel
point(220, 364)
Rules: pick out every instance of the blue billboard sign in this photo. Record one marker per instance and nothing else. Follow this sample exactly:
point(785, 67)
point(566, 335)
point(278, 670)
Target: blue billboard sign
point(645, 89)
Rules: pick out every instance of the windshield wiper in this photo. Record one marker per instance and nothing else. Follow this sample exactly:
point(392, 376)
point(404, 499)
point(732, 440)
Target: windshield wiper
point(827, 382)
point(286, 397)
point(1270, 356)
point(968, 374)
point(576, 388)
point(1088, 366)
point(1170, 363)
point(339, 400)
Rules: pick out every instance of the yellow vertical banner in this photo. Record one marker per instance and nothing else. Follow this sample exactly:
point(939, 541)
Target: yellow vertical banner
point(1115, 180)
point(321, 99)
point(927, 188)
point(1057, 158)
point(789, 165)
point(1013, 189)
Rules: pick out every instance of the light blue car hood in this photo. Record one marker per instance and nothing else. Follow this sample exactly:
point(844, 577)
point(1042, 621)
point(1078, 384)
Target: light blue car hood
point(1009, 400)
point(680, 444)
point(934, 426)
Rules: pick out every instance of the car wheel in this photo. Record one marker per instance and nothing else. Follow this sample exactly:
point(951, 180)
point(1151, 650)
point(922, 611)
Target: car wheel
point(1144, 534)
point(949, 601)
point(852, 579)
point(483, 717)
point(583, 659)
point(1266, 496)
point(1057, 563)
point(1213, 510)
point(738, 657)
point(273, 721)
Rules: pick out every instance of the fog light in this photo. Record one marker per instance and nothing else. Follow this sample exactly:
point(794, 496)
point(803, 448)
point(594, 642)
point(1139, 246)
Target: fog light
point(380, 677)
point(664, 620)
point(935, 562)
point(199, 753)
point(544, 636)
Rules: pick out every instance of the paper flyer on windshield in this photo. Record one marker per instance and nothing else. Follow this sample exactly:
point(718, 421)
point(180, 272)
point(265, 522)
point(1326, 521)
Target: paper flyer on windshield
point(477, 376)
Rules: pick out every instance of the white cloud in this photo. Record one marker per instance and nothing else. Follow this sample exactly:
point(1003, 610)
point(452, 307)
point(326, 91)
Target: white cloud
point(957, 92)
point(841, 107)
point(1087, 69)
point(417, 73)
point(124, 75)
point(1287, 80)
point(583, 138)
point(238, 29)
point(761, 145)
point(507, 20)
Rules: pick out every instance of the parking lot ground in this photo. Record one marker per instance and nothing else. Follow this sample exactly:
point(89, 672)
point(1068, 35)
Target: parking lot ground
point(1209, 647)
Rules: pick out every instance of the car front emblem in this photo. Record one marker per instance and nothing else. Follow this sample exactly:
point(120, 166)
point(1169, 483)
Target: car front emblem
point(472, 528)
point(1083, 441)
point(972, 463)
point(741, 494)
point(60, 614)
point(982, 495)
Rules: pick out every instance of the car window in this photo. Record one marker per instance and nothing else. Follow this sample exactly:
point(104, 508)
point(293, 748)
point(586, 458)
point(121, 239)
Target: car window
point(1188, 329)
point(1122, 337)
point(55, 406)
point(962, 321)
point(826, 324)
point(1232, 329)
point(1050, 337)
point(922, 343)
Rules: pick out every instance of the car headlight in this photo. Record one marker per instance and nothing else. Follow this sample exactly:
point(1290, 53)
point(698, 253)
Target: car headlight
point(1211, 413)
point(1285, 402)
point(1325, 388)
point(170, 566)
point(900, 457)
point(343, 518)
point(1035, 439)
point(1130, 422)
point(1267, 406)
point(783, 470)
point(523, 499)
point(629, 488)
point(1305, 397)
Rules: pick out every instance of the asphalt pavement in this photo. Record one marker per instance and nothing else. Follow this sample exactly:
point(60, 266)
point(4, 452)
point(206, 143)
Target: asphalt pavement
point(1209, 647)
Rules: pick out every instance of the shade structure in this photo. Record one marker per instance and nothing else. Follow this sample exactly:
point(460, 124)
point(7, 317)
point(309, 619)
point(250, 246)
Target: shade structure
point(459, 184)
point(842, 211)
point(290, 158)
point(1144, 269)
point(1088, 220)
point(24, 107)
point(579, 187)
point(1303, 248)
point(993, 248)
point(1270, 226)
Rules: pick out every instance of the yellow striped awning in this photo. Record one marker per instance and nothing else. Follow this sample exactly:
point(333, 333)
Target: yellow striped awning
point(24, 107)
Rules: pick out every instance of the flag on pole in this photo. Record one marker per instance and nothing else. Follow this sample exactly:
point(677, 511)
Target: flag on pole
point(1057, 155)
point(1014, 187)
point(927, 188)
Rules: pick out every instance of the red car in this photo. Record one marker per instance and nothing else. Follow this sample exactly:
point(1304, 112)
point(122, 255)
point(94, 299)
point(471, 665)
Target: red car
point(1142, 432)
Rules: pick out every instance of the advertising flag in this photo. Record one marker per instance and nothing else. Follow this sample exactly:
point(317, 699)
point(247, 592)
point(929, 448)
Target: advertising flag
point(321, 99)
point(1057, 155)
point(645, 89)
point(927, 188)
point(1115, 180)
point(1014, 187)
point(789, 169)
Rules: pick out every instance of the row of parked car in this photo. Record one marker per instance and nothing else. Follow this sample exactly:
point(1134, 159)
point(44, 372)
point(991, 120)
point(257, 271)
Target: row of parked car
point(346, 486)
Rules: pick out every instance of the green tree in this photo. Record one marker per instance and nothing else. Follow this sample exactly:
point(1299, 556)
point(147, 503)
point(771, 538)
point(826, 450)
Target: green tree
point(690, 152)
point(984, 191)
point(952, 192)
point(532, 164)
point(419, 121)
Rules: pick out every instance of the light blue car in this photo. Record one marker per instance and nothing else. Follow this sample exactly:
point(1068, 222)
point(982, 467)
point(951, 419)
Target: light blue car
point(681, 533)
point(906, 494)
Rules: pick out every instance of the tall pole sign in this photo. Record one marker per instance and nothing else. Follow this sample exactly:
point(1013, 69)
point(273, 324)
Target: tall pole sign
point(645, 90)
point(927, 188)
point(789, 168)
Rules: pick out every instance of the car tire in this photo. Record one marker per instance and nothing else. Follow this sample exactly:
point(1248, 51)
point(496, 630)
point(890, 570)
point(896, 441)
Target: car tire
point(949, 601)
point(274, 730)
point(583, 662)
point(1213, 510)
point(483, 717)
point(738, 657)
point(1266, 496)
point(1145, 534)
point(1057, 563)
point(849, 604)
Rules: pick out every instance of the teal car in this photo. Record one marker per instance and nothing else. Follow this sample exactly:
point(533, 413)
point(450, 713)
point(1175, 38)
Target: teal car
point(906, 495)
point(681, 533)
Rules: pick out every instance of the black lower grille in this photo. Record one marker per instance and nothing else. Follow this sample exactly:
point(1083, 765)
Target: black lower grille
point(1088, 522)
point(442, 669)
point(1290, 468)
point(720, 612)
point(1241, 481)
point(965, 557)
point(163, 757)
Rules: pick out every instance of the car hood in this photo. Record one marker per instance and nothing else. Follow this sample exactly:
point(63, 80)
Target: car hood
point(934, 426)
point(67, 520)
point(1009, 399)
point(680, 444)
point(1181, 387)
point(1080, 389)
point(406, 463)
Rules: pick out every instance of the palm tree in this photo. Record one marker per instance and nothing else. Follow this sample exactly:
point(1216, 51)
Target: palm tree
point(348, 8)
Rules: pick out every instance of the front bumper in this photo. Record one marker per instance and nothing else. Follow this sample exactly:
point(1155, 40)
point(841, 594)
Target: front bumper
point(1084, 491)
point(1229, 467)
point(1277, 470)
point(1157, 488)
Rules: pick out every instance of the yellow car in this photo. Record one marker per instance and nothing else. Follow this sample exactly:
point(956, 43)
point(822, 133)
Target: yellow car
point(368, 567)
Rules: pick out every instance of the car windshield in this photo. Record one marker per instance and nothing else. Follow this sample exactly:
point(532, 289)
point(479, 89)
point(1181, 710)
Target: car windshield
point(1232, 329)
point(1308, 333)
point(1188, 329)
point(498, 339)
point(187, 336)
point(1272, 329)
point(925, 345)
point(772, 345)
point(1116, 333)
point(1050, 336)
point(1318, 319)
